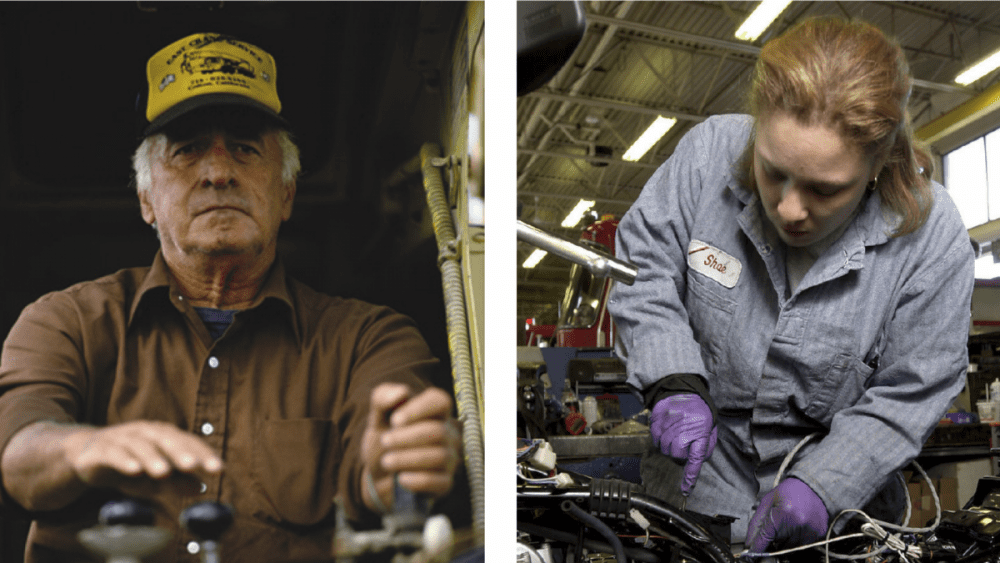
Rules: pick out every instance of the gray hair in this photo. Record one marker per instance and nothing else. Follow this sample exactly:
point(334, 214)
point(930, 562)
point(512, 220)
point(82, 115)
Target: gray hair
point(154, 146)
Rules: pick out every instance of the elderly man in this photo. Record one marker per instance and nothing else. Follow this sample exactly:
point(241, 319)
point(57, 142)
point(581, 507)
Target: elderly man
point(212, 375)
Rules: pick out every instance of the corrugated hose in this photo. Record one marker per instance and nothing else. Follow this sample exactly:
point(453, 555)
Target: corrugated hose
point(458, 336)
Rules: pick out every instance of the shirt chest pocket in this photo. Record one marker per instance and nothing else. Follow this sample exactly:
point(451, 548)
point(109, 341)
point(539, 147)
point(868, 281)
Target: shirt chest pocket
point(711, 318)
point(835, 383)
point(295, 470)
point(833, 372)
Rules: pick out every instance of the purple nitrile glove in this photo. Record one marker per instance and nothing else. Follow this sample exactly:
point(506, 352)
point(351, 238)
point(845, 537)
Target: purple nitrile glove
point(682, 427)
point(790, 514)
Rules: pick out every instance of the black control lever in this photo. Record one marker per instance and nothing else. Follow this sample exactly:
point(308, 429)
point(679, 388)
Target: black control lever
point(125, 532)
point(409, 531)
point(409, 510)
point(207, 521)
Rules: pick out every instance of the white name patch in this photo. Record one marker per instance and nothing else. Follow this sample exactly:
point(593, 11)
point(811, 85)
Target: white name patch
point(714, 263)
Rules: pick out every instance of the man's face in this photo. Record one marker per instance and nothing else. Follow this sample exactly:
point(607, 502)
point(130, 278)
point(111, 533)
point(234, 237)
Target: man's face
point(217, 194)
point(809, 178)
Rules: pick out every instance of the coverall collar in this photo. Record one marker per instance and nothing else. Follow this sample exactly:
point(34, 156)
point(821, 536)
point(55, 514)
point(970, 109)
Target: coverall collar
point(869, 227)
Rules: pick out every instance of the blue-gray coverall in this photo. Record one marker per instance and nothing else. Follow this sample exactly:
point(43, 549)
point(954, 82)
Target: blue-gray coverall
point(869, 350)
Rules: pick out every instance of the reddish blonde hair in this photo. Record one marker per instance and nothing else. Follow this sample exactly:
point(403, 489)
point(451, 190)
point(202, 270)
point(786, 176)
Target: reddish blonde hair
point(849, 76)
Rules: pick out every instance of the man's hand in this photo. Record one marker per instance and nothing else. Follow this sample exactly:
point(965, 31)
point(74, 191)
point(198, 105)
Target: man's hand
point(789, 515)
point(46, 465)
point(412, 436)
point(142, 458)
point(682, 427)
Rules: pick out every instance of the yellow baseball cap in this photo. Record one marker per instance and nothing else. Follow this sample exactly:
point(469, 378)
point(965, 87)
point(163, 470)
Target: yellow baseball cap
point(207, 69)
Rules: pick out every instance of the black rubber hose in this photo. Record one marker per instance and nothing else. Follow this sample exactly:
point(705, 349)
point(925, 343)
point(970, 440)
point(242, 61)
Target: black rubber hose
point(577, 513)
point(717, 550)
point(636, 553)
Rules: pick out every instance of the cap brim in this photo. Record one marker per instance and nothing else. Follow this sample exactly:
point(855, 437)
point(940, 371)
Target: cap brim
point(207, 100)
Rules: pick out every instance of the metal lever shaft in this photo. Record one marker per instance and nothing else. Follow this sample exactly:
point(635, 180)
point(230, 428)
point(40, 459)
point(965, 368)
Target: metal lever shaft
point(598, 263)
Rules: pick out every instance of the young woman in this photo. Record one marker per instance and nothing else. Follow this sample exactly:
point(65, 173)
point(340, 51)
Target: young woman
point(799, 275)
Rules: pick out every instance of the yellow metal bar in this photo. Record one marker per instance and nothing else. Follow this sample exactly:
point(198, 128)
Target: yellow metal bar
point(961, 116)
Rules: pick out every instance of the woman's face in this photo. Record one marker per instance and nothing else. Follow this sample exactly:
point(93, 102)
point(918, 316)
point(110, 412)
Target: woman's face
point(809, 178)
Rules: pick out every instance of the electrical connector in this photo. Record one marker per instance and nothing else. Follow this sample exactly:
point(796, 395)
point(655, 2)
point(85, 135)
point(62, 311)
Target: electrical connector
point(643, 523)
point(639, 518)
point(563, 481)
point(543, 458)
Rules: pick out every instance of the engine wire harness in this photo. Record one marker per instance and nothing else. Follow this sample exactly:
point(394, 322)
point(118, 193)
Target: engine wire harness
point(619, 512)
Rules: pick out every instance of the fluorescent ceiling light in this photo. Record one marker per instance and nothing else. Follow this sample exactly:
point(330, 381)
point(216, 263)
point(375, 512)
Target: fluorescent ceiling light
point(574, 216)
point(979, 70)
point(767, 11)
point(646, 141)
point(535, 258)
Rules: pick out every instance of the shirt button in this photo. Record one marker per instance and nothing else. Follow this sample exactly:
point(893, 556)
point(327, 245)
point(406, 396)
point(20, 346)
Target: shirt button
point(207, 429)
point(193, 547)
point(213, 362)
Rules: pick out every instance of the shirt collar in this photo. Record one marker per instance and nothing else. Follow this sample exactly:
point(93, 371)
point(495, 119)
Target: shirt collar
point(873, 226)
point(158, 279)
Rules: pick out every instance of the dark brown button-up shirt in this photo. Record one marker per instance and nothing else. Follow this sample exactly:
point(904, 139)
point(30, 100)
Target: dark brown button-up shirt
point(282, 395)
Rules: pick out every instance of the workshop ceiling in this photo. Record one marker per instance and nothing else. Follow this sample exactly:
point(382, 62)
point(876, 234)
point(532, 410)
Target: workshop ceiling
point(681, 59)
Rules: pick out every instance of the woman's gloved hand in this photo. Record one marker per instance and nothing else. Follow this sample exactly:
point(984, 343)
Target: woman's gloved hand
point(683, 428)
point(789, 515)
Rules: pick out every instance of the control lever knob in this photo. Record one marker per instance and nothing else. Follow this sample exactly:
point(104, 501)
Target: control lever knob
point(125, 533)
point(126, 512)
point(207, 520)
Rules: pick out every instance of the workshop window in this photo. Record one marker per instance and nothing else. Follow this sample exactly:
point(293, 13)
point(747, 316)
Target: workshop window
point(972, 177)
